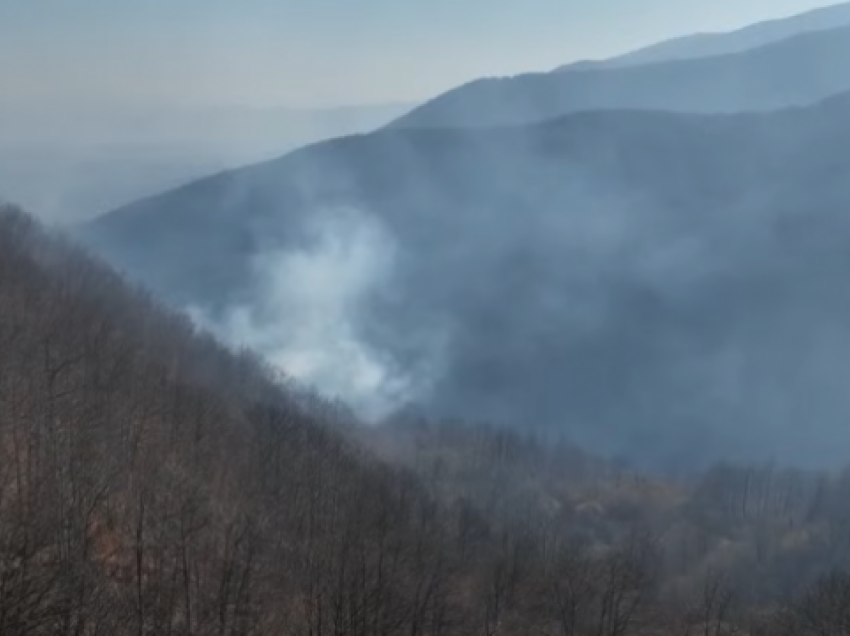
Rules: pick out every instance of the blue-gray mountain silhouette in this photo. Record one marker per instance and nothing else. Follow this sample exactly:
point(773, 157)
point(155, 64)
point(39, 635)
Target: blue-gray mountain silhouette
point(664, 285)
point(722, 43)
point(797, 71)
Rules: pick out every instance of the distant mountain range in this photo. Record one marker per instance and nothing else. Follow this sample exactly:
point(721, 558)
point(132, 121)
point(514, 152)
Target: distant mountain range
point(662, 285)
point(796, 71)
point(711, 44)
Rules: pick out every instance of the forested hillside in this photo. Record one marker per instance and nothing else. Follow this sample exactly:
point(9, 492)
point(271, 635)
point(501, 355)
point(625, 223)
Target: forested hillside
point(667, 286)
point(152, 482)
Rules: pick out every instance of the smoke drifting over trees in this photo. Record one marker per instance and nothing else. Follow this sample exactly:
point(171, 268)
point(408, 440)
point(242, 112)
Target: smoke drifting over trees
point(307, 314)
point(557, 373)
point(152, 482)
point(665, 286)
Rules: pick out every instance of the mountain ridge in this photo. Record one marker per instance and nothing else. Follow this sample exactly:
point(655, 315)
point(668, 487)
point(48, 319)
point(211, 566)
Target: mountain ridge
point(795, 71)
point(629, 243)
point(708, 44)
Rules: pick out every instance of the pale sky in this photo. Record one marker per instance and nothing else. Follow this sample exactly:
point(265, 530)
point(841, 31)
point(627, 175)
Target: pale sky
point(308, 53)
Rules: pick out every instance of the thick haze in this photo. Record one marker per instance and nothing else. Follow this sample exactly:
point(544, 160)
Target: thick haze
point(271, 53)
point(668, 286)
point(73, 164)
point(106, 102)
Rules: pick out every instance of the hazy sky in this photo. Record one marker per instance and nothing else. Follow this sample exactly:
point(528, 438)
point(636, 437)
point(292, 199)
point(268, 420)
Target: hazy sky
point(319, 52)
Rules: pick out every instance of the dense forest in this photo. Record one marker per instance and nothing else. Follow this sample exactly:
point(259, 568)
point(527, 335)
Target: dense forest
point(155, 482)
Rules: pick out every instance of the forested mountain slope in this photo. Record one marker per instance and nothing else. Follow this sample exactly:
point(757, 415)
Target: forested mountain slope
point(668, 286)
point(151, 482)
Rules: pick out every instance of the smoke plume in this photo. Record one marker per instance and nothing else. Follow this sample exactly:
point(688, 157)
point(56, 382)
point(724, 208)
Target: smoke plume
point(305, 311)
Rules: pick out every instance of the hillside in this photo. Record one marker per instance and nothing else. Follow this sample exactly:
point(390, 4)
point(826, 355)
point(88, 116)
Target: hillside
point(766, 529)
point(795, 71)
point(711, 44)
point(665, 286)
point(152, 482)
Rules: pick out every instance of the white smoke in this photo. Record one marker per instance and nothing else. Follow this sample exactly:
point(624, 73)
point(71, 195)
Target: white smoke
point(304, 315)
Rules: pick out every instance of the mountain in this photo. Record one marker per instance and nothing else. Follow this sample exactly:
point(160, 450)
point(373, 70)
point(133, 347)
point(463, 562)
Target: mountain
point(796, 71)
point(712, 44)
point(667, 286)
point(71, 164)
point(155, 482)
